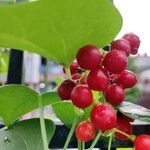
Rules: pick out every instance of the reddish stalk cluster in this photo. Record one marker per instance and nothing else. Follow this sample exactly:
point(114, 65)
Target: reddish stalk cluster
point(95, 70)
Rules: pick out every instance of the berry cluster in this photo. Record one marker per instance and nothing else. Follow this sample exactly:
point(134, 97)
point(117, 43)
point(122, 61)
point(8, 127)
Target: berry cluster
point(95, 70)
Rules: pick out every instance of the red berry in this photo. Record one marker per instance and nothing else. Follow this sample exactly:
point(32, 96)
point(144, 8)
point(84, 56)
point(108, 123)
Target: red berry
point(142, 142)
point(81, 96)
point(74, 66)
point(85, 131)
point(115, 61)
point(115, 94)
point(122, 45)
point(98, 80)
point(76, 76)
point(134, 42)
point(89, 57)
point(103, 117)
point(127, 79)
point(124, 124)
point(65, 88)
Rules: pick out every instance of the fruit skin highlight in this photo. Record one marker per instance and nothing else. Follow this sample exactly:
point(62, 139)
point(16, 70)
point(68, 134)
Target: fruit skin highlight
point(103, 117)
point(85, 131)
point(89, 57)
point(81, 96)
point(142, 142)
point(115, 61)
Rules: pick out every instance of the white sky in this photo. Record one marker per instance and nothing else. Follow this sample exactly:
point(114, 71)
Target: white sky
point(136, 19)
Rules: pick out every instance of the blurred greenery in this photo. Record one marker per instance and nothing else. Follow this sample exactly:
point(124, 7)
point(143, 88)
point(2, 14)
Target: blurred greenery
point(132, 93)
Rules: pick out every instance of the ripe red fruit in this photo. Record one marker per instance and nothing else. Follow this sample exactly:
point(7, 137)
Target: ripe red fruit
point(65, 88)
point(98, 80)
point(115, 61)
point(85, 131)
point(89, 57)
point(127, 79)
point(81, 96)
point(74, 66)
point(142, 142)
point(115, 94)
point(103, 117)
point(134, 42)
point(76, 76)
point(124, 124)
point(122, 45)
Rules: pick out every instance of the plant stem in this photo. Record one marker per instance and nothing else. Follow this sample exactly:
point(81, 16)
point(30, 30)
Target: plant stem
point(83, 145)
point(68, 74)
point(79, 145)
point(123, 133)
point(42, 124)
point(110, 141)
point(95, 140)
point(46, 76)
point(71, 133)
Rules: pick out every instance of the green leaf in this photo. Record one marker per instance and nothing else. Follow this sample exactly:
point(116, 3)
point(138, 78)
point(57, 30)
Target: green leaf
point(25, 135)
point(17, 100)
point(135, 111)
point(65, 112)
point(56, 29)
point(50, 98)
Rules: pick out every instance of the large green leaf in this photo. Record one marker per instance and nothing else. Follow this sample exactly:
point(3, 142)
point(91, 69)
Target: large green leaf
point(16, 100)
point(65, 112)
point(56, 29)
point(135, 111)
point(25, 135)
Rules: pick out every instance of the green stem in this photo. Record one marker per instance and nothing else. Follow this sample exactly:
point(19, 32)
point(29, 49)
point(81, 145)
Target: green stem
point(123, 133)
point(79, 145)
point(46, 76)
point(95, 140)
point(83, 145)
point(71, 133)
point(42, 124)
point(68, 74)
point(110, 141)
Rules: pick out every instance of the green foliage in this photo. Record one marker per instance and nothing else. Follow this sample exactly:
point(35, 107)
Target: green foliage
point(17, 100)
point(135, 111)
point(25, 135)
point(65, 112)
point(57, 29)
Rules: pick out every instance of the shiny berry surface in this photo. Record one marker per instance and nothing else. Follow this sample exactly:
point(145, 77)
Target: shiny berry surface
point(74, 66)
point(134, 42)
point(89, 57)
point(115, 94)
point(123, 124)
point(115, 61)
point(65, 88)
point(81, 96)
point(127, 79)
point(103, 117)
point(142, 142)
point(122, 45)
point(85, 131)
point(76, 76)
point(98, 80)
